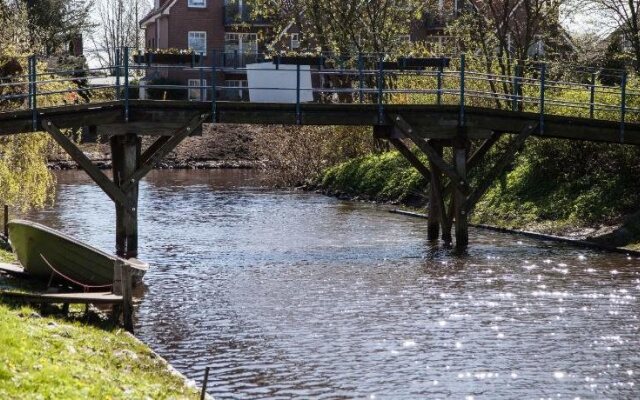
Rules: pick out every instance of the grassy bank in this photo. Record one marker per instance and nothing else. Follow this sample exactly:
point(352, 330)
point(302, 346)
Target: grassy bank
point(587, 191)
point(52, 358)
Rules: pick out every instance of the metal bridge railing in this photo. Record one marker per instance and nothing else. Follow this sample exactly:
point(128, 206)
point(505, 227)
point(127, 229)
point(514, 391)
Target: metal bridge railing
point(328, 78)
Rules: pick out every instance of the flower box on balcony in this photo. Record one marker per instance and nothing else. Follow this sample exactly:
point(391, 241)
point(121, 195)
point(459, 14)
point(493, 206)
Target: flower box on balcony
point(166, 58)
point(423, 62)
point(300, 60)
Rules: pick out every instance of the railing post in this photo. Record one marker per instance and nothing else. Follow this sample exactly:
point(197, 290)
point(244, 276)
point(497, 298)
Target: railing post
point(118, 55)
point(361, 76)
point(126, 84)
point(543, 77)
point(214, 94)
point(203, 92)
point(516, 89)
point(33, 91)
point(298, 111)
point(592, 101)
point(439, 76)
point(381, 90)
point(623, 105)
point(235, 59)
point(462, 89)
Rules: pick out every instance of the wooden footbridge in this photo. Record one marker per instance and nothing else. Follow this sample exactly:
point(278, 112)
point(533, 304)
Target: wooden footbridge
point(408, 104)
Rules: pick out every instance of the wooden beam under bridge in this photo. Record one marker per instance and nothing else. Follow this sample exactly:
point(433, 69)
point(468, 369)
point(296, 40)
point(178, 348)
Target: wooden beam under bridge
point(129, 167)
point(462, 199)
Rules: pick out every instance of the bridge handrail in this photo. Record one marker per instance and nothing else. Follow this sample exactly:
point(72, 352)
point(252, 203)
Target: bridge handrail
point(370, 81)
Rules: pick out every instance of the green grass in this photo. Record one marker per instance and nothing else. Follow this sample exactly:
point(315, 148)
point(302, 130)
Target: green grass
point(6, 256)
point(381, 177)
point(53, 358)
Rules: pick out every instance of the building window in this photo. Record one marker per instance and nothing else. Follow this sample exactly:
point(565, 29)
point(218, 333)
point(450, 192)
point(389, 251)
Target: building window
point(295, 41)
point(199, 91)
point(241, 42)
point(197, 3)
point(241, 94)
point(198, 42)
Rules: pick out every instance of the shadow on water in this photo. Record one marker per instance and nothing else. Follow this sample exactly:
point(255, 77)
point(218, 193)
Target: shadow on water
point(289, 294)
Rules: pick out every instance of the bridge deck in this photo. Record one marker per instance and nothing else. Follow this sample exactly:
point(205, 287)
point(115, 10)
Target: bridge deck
point(152, 117)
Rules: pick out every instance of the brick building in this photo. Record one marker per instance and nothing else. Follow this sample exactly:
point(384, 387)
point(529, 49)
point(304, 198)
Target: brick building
point(228, 35)
point(224, 32)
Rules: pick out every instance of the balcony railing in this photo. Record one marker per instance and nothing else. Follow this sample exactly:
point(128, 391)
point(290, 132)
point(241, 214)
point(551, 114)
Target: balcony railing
point(235, 14)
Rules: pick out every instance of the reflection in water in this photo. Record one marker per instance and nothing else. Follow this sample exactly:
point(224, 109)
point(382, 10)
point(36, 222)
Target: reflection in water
point(290, 294)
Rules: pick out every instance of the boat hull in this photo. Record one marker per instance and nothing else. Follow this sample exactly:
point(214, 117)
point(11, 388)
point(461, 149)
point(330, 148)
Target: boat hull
point(80, 262)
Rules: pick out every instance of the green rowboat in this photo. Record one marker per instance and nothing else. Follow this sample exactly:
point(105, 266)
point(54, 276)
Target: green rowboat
point(43, 251)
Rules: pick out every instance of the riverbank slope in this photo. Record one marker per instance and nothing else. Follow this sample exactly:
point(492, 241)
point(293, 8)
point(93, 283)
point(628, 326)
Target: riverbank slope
point(596, 205)
point(47, 357)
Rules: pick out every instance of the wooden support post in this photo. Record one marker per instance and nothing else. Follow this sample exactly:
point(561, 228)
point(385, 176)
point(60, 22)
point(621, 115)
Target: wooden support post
point(122, 285)
point(125, 154)
point(433, 155)
point(435, 198)
point(83, 161)
point(459, 197)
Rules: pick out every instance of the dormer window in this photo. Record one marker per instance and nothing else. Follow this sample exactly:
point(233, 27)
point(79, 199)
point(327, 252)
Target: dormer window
point(197, 3)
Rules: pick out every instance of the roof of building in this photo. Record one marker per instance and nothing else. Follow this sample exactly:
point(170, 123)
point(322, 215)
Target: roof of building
point(157, 12)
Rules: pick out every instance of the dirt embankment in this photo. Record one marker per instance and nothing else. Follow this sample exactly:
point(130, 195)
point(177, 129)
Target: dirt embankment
point(219, 146)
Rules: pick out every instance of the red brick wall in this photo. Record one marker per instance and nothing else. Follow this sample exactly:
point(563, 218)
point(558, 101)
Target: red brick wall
point(184, 19)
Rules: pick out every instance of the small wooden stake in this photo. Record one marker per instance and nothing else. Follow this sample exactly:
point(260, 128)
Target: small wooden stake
point(127, 303)
point(122, 286)
point(203, 394)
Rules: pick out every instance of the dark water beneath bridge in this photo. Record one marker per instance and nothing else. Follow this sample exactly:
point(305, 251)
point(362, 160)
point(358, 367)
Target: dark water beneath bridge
point(289, 294)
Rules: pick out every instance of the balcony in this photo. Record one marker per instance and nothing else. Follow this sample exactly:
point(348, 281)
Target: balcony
point(437, 20)
point(236, 13)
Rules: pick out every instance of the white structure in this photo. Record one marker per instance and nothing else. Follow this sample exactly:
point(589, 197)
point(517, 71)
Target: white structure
point(270, 85)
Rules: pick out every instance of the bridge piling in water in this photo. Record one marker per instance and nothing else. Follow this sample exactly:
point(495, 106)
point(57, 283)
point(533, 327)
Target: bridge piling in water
point(125, 158)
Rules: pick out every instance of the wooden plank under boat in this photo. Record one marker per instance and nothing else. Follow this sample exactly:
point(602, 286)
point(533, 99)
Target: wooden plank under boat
point(69, 257)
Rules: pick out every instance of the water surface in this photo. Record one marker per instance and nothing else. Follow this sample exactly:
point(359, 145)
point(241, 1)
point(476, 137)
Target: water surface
point(288, 294)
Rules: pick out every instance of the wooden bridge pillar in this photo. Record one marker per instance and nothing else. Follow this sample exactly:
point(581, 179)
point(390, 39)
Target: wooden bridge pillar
point(435, 190)
point(125, 155)
point(459, 197)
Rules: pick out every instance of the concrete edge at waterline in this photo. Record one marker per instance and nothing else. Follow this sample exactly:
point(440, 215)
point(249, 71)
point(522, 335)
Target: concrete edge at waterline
point(535, 235)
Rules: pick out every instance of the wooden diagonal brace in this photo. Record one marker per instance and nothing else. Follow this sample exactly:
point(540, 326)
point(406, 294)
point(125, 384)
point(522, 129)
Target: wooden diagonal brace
point(484, 148)
point(148, 153)
point(506, 158)
point(413, 160)
point(110, 188)
point(162, 149)
point(433, 155)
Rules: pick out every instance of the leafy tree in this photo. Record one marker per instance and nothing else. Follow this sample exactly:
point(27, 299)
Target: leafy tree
point(343, 26)
point(24, 178)
point(621, 17)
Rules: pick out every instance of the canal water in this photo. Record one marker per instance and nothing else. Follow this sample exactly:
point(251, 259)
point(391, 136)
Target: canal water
point(288, 294)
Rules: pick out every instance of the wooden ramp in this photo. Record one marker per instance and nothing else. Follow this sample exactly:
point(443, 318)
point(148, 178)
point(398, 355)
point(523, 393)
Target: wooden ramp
point(13, 269)
point(70, 298)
